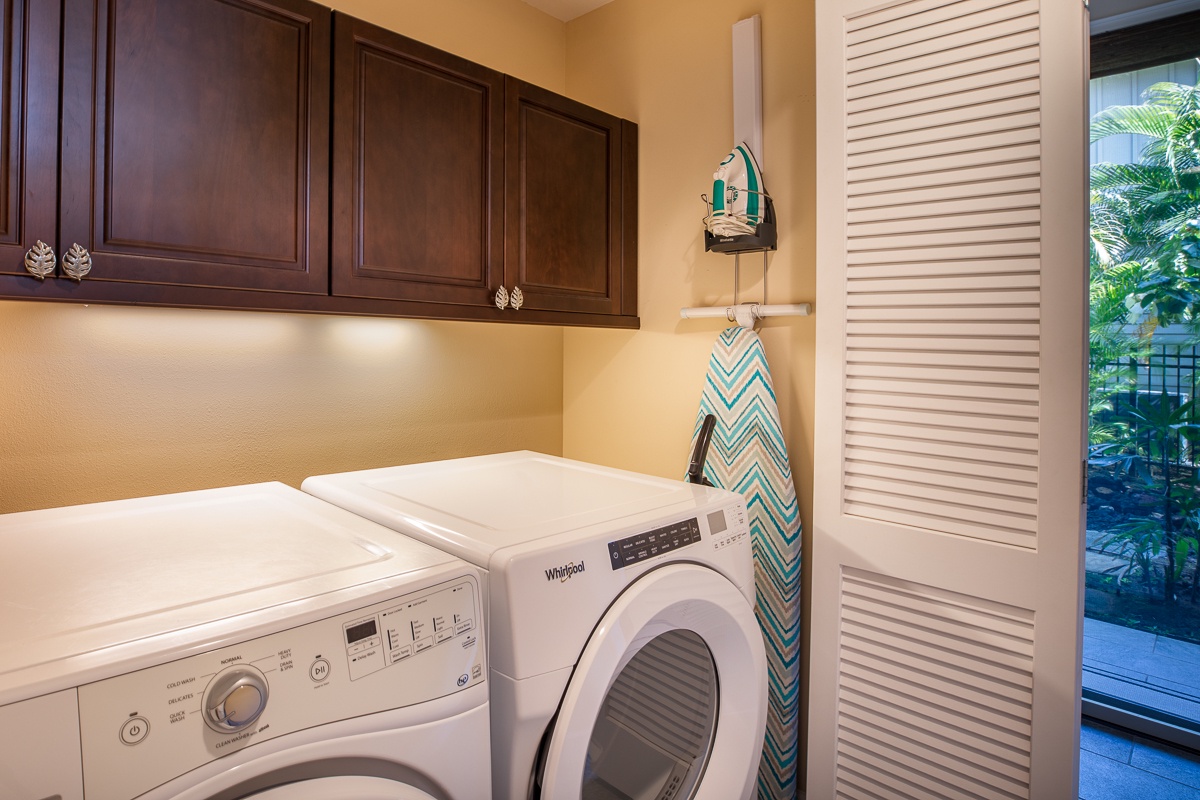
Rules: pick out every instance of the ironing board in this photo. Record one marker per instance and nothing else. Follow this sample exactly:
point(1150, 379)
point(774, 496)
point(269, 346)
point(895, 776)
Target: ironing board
point(747, 455)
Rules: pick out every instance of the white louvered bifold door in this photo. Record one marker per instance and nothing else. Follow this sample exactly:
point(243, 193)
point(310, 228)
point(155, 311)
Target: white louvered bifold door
point(951, 313)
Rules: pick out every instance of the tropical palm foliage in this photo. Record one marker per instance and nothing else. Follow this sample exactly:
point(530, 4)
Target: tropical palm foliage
point(1145, 227)
point(1145, 273)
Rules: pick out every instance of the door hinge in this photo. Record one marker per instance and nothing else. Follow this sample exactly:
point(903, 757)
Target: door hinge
point(1083, 483)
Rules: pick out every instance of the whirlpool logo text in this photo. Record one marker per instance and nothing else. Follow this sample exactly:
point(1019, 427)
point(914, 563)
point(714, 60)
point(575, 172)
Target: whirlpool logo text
point(563, 574)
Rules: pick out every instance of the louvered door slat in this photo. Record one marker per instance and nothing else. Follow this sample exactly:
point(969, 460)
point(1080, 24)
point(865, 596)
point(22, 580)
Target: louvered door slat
point(958, 45)
point(998, 216)
point(963, 459)
point(1001, 679)
point(955, 751)
point(972, 734)
point(1000, 299)
point(978, 43)
point(944, 78)
point(1014, 248)
point(912, 147)
point(973, 308)
point(972, 14)
point(943, 493)
point(943, 389)
point(1013, 276)
point(956, 330)
point(920, 773)
point(924, 372)
point(999, 361)
point(934, 465)
point(957, 761)
point(966, 80)
point(947, 124)
point(901, 13)
point(981, 181)
point(910, 115)
point(953, 422)
point(1017, 197)
point(867, 686)
point(930, 770)
point(934, 168)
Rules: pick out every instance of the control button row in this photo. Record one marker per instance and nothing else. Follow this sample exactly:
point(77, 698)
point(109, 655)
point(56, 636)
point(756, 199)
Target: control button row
point(729, 540)
point(366, 644)
point(399, 653)
point(633, 549)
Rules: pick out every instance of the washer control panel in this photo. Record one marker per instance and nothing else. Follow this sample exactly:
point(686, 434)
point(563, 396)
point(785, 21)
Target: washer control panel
point(142, 729)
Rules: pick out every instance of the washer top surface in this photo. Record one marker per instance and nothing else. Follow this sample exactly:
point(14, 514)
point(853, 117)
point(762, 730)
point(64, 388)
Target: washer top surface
point(77, 579)
point(473, 507)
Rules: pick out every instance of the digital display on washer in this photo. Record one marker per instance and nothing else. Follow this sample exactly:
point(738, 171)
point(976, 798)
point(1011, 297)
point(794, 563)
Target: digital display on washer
point(359, 632)
point(633, 549)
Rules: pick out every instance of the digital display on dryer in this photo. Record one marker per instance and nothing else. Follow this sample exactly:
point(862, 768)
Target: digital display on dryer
point(643, 546)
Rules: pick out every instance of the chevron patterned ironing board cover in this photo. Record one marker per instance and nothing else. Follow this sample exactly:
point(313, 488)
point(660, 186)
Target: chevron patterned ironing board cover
point(747, 455)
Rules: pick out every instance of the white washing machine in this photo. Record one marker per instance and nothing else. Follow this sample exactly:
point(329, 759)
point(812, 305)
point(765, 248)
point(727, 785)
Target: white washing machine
point(626, 659)
point(251, 642)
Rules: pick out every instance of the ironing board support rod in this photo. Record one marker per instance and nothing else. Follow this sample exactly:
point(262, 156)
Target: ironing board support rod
point(760, 311)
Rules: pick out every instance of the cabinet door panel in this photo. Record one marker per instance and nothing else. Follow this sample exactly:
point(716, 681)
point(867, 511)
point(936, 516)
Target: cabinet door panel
point(564, 191)
point(196, 151)
point(417, 170)
point(28, 130)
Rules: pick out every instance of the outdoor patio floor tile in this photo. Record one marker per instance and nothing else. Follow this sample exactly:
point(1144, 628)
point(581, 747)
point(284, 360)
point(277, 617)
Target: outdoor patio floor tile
point(1180, 651)
point(1156, 671)
point(1112, 652)
point(1119, 634)
point(1167, 762)
point(1117, 765)
point(1103, 778)
point(1104, 742)
point(1168, 669)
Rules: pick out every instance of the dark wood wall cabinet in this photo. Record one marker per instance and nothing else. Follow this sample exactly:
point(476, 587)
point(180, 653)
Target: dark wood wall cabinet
point(273, 155)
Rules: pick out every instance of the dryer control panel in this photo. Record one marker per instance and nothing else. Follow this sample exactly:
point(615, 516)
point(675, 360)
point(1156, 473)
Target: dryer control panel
point(144, 728)
point(723, 527)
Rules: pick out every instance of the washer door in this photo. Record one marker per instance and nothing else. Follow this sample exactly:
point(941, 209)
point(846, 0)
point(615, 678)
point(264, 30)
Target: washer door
point(343, 788)
point(669, 698)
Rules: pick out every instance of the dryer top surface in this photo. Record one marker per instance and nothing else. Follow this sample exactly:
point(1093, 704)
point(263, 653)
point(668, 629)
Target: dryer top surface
point(473, 507)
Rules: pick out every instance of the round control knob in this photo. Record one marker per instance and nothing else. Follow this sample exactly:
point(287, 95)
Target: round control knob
point(235, 699)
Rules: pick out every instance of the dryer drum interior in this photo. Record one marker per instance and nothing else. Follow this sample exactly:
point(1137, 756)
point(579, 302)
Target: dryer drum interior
point(655, 729)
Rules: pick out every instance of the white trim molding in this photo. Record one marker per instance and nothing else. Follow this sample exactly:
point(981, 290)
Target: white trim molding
point(1141, 16)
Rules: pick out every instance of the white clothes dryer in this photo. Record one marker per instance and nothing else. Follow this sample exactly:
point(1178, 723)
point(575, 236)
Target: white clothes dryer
point(626, 658)
point(249, 642)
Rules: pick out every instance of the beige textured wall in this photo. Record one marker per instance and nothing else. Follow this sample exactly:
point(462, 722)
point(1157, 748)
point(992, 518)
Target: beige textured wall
point(507, 35)
point(98, 403)
point(630, 398)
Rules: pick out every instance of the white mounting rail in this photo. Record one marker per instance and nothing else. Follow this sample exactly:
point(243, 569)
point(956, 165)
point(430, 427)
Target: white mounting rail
point(746, 314)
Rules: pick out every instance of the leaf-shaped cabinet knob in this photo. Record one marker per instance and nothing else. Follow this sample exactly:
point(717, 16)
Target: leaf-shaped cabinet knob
point(516, 298)
point(39, 261)
point(77, 262)
point(501, 298)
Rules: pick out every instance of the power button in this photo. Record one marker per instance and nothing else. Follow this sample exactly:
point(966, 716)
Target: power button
point(134, 730)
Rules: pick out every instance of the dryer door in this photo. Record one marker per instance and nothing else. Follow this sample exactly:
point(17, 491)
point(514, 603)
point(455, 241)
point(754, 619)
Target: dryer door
point(669, 698)
point(343, 788)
